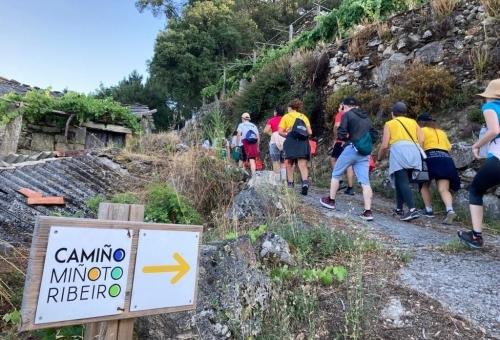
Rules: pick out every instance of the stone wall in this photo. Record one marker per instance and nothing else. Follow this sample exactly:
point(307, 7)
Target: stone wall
point(44, 137)
point(420, 37)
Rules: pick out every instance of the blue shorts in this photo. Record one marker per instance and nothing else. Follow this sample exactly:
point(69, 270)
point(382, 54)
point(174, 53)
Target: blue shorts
point(359, 163)
point(276, 154)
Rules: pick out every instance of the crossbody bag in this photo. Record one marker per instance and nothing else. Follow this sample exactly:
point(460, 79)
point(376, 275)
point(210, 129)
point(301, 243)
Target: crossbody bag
point(418, 176)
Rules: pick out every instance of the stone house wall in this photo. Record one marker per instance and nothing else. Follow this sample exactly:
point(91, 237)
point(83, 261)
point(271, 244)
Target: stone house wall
point(44, 137)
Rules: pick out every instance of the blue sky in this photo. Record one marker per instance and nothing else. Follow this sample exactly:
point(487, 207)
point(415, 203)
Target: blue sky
point(74, 43)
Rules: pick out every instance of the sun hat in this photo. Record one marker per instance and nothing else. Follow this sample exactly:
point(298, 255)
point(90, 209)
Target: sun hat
point(424, 117)
point(245, 116)
point(492, 91)
point(399, 107)
point(350, 101)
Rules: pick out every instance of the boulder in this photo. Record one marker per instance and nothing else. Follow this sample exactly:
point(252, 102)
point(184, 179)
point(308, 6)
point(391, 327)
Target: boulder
point(461, 153)
point(273, 248)
point(390, 67)
point(259, 201)
point(232, 292)
point(491, 204)
point(431, 53)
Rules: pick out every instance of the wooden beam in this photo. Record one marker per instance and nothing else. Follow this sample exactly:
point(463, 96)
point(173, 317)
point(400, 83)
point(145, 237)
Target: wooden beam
point(107, 127)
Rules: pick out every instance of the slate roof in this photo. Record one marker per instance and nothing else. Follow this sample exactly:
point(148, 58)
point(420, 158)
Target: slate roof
point(8, 86)
point(76, 179)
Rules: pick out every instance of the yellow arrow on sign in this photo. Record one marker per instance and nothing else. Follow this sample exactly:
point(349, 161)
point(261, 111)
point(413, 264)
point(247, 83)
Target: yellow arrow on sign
point(182, 267)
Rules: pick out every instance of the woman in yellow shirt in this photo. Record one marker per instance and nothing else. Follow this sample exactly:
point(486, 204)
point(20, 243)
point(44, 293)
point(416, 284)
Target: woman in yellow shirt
point(440, 166)
point(402, 134)
point(297, 151)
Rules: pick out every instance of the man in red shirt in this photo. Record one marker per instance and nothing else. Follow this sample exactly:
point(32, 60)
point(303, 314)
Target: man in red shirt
point(338, 147)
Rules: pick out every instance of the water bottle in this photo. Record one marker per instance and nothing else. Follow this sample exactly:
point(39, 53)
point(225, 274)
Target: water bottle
point(483, 150)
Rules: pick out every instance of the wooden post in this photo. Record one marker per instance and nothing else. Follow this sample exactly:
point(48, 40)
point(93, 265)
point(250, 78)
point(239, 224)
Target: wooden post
point(116, 329)
point(290, 33)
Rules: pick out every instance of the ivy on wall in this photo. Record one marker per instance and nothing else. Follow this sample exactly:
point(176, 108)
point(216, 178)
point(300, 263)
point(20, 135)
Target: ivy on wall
point(37, 106)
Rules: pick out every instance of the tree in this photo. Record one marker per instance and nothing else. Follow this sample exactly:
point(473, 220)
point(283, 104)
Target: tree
point(191, 53)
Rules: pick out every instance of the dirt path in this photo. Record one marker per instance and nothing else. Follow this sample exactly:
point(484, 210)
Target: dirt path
point(467, 283)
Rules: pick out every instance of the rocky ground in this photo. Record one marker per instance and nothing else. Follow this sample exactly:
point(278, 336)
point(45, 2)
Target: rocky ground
point(444, 291)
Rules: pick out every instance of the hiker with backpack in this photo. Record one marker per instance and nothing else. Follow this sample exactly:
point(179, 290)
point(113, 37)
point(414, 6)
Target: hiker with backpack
point(359, 135)
point(296, 129)
point(338, 147)
point(247, 139)
point(405, 139)
point(440, 166)
point(276, 143)
point(489, 174)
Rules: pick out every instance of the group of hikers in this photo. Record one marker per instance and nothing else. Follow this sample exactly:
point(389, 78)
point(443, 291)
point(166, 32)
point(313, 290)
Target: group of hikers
point(419, 153)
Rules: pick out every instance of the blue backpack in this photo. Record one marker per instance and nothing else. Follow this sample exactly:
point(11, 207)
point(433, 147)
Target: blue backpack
point(251, 137)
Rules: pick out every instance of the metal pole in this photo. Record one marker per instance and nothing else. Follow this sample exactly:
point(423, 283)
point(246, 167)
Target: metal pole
point(254, 57)
point(318, 12)
point(223, 85)
point(290, 33)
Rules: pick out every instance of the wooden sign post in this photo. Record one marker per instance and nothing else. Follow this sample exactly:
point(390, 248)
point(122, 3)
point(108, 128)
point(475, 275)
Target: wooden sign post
point(106, 272)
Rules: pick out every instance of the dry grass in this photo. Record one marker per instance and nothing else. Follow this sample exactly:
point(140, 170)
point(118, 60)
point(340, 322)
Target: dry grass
point(13, 266)
point(492, 7)
point(479, 58)
point(443, 7)
point(359, 42)
point(158, 144)
point(383, 31)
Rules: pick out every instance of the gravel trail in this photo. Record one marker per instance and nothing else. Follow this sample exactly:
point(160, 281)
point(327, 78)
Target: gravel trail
point(465, 282)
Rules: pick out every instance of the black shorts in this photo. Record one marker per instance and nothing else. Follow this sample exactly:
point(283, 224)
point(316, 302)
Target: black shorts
point(337, 149)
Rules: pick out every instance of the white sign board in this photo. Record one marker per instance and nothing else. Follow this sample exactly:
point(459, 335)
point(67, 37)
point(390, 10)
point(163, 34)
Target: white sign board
point(84, 274)
point(165, 269)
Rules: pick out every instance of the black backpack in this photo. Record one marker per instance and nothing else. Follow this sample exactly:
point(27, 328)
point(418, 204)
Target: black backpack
point(299, 129)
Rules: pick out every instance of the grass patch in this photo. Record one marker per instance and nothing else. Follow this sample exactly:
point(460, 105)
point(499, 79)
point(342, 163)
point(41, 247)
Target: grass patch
point(454, 246)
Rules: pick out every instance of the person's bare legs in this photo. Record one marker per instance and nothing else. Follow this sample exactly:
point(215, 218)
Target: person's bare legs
point(276, 167)
point(367, 196)
point(425, 192)
point(252, 166)
point(289, 171)
point(302, 164)
point(334, 187)
point(444, 191)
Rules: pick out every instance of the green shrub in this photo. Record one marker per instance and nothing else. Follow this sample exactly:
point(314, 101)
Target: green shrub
point(93, 202)
point(125, 198)
point(165, 205)
point(333, 102)
point(423, 89)
point(476, 116)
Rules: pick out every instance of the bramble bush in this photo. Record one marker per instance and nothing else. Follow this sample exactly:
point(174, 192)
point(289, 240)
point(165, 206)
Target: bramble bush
point(333, 102)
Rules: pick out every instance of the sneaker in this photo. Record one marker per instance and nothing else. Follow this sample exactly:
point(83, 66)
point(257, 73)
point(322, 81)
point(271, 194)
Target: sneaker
point(396, 212)
point(349, 191)
point(468, 238)
point(426, 213)
point(450, 216)
point(410, 215)
point(304, 189)
point(342, 185)
point(367, 215)
point(327, 202)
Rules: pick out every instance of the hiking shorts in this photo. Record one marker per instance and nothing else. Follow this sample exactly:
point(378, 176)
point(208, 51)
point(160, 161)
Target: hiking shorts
point(337, 149)
point(359, 163)
point(276, 154)
point(251, 150)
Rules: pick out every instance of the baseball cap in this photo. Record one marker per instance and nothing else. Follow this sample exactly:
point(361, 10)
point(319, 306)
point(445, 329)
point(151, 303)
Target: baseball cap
point(350, 101)
point(424, 117)
point(399, 107)
point(245, 116)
